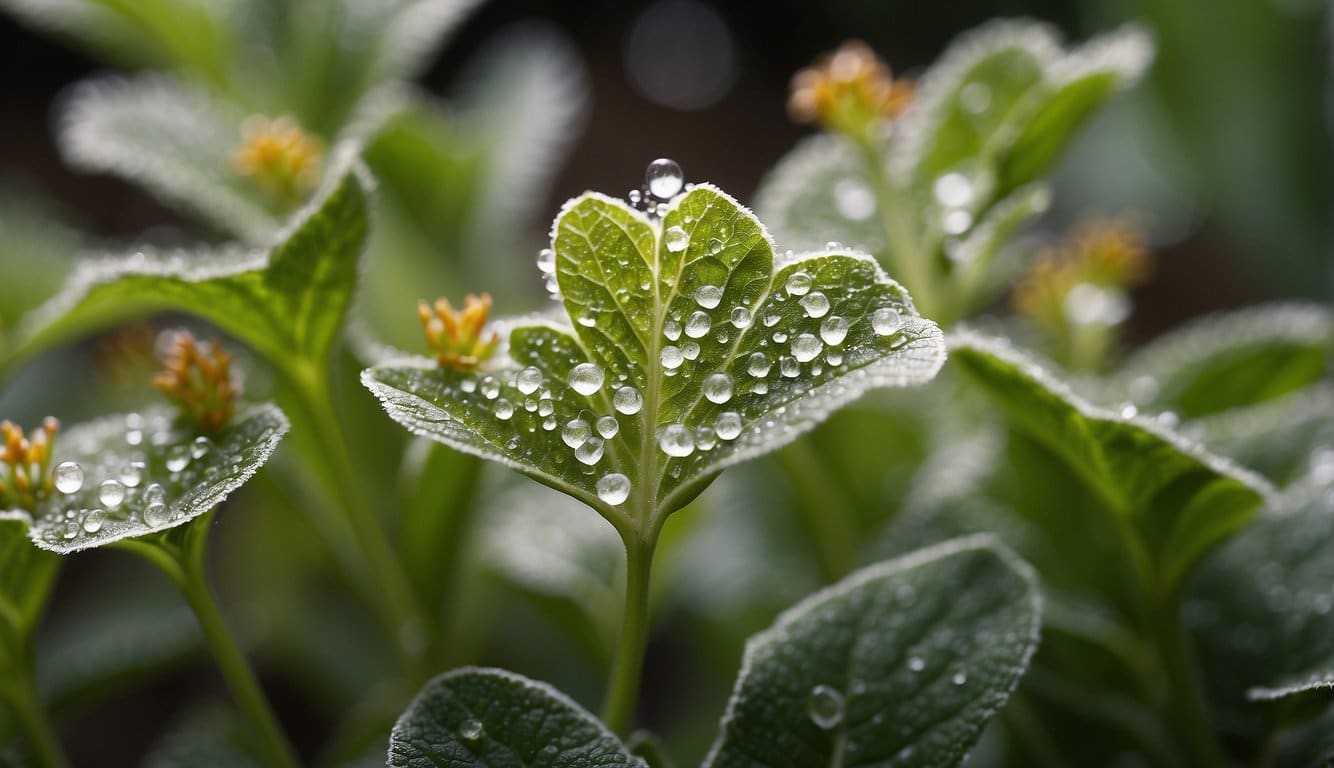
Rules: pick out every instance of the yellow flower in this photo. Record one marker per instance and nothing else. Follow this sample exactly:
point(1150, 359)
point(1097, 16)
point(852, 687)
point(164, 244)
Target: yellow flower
point(282, 159)
point(25, 464)
point(198, 378)
point(849, 90)
point(456, 337)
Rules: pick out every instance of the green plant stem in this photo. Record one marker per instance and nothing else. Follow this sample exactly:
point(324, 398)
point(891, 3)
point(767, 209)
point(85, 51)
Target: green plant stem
point(1185, 697)
point(397, 606)
point(618, 707)
point(825, 506)
point(22, 699)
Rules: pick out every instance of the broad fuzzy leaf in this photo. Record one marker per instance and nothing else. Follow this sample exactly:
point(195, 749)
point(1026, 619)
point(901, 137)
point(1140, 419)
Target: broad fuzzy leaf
point(194, 476)
point(1231, 360)
point(1277, 438)
point(714, 351)
point(496, 719)
point(1180, 499)
point(175, 139)
point(902, 663)
point(822, 190)
point(1262, 609)
point(287, 301)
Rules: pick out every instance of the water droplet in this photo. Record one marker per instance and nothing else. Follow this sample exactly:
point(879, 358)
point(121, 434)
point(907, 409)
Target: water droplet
point(608, 426)
point(664, 178)
point(758, 365)
point(741, 318)
point(134, 437)
point(834, 330)
point(708, 296)
point(590, 452)
point(798, 284)
point(676, 239)
point(676, 440)
point(111, 493)
point(545, 407)
point(156, 513)
point(715, 247)
point(885, 321)
point(529, 380)
point(1129, 411)
point(670, 357)
point(727, 425)
point(854, 200)
point(760, 388)
point(576, 433)
point(68, 477)
point(833, 245)
point(815, 304)
point(779, 337)
point(771, 319)
point(490, 387)
point(956, 222)
point(586, 378)
point(133, 474)
point(959, 678)
point(613, 488)
point(697, 324)
point(471, 729)
point(975, 98)
point(504, 409)
point(953, 190)
point(806, 347)
point(468, 385)
point(546, 261)
point(200, 447)
point(690, 350)
point(718, 388)
point(627, 400)
point(672, 330)
point(916, 664)
point(178, 458)
point(154, 494)
point(825, 706)
point(789, 367)
point(92, 522)
point(834, 357)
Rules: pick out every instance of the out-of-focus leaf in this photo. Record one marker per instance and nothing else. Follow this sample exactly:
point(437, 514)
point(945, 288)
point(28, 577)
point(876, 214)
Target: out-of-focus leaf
point(175, 139)
point(1277, 438)
point(1262, 610)
point(821, 191)
point(785, 344)
point(187, 34)
point(204, 739)
point(493, 718)
point(26, 573)
point(36, 250)
point(287, 301)
point(903, 662)
point(181, 477)
point(1180, 500)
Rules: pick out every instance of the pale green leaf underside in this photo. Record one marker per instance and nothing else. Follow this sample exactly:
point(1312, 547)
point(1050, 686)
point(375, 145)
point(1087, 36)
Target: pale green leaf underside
point(635, 317)
point(919, 653)
point(105, 449)
point(173, 138)
point(490, 718)
point(1181, 499)
point(287, 301)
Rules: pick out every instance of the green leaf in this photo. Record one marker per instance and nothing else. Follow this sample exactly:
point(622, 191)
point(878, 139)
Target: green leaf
point(1179, 499)
point(287, 301)
point(490, 717)
point(36, 249)
point(1261, 610)
point(1002, 100)
point(651, 324)
point(903, 662)
point(26, 576)
point(822, 190)
point(1276, 438)
point(187, 34)
point(1231, 360)
point(194, 476)
point(207, 738)
point(175, 139)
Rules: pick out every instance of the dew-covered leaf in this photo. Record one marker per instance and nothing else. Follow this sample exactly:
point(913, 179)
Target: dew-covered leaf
point(287, 301)
point(142, 473)
point(1231, 360)
point(497, 719)
point(1277, 438)
point(174, 138)
point(902, 663)
point(1262, 609)
point(1002, 101)
point(689, 349)
point(1180, 500)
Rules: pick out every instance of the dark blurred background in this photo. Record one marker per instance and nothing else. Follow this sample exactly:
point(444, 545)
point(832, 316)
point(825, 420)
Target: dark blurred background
point(1224, 152)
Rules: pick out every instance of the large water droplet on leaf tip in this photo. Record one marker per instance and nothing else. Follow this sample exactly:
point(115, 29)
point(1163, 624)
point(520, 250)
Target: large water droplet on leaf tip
point(664, 178)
